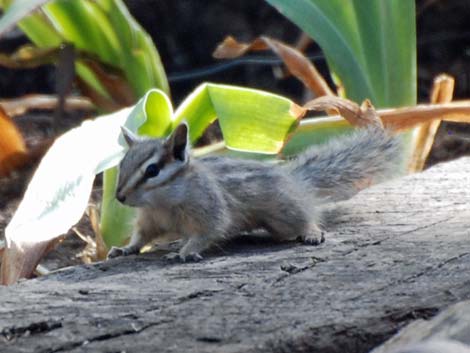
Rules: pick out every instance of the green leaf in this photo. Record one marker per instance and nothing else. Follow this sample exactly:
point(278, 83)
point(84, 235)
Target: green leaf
point(139, 57)
point(251, 120)
point(87, 26)
point(369, 45)
point(151, 117)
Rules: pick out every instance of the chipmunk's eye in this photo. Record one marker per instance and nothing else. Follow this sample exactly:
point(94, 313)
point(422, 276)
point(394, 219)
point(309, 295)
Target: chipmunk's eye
point(151, 171)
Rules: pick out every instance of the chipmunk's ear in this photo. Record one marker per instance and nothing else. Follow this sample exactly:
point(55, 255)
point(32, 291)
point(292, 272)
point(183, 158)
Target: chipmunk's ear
point(178, 142)
point(129, 136)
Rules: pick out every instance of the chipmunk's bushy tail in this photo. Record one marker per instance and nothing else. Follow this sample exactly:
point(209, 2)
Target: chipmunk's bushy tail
point(340, 168)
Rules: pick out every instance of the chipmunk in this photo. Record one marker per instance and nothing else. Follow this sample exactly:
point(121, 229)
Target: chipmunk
point(209, 199)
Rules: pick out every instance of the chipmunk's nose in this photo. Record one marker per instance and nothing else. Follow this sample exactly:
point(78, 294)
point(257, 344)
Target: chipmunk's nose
point(120, 198)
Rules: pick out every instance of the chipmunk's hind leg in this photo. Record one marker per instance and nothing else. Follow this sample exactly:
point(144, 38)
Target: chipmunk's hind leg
point(293, 226)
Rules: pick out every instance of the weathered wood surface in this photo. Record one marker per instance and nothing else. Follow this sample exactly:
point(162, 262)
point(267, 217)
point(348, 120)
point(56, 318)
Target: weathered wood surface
point(446, 331)
point(394, 253)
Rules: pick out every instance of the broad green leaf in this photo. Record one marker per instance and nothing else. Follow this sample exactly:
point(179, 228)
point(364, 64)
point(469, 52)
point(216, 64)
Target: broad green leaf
point(151, 117)
point(197, 111)
point(369, 45)
point(250, 120)
point(59, 190)
point(140, 58)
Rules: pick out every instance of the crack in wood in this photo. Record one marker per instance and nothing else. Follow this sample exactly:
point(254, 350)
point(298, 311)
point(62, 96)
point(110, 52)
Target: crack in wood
point(11, 333)
point(293, 269)
point(386, 238)
point(412, 277)
point(431, 268)
point(198, 294)
point(107, 336)
point(405, 316)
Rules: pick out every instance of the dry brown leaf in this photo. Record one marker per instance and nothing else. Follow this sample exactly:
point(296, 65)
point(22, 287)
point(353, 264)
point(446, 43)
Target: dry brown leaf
point(423, 139)
point(356, 115)
point(19, 106)
point(16, 265)
point(295, 61)
point(13, 152)
point(21, 258)
point(397, 119)
point(369, 114)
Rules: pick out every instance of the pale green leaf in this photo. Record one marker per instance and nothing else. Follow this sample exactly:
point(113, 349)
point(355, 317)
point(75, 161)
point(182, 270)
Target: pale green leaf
point(250, 120)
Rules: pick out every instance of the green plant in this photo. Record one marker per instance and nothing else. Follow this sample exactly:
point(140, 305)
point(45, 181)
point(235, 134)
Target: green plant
point(370, 46)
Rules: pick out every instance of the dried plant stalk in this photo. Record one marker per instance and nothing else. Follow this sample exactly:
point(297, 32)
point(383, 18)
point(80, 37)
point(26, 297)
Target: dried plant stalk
point(423, 139)
point(402, 119)
point(396, 119)
point(19, 106)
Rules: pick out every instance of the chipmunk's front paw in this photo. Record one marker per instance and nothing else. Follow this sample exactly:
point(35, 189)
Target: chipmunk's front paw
point(117, 252)
point(315, 237)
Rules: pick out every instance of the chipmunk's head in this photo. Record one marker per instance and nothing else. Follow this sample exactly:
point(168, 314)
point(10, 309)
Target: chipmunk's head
point(150, 164)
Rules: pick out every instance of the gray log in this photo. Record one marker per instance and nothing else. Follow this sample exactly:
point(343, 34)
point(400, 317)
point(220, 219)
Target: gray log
point(394, 253)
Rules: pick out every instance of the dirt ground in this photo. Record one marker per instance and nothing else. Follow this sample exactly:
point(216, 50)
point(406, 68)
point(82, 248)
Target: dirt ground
point(186, 42)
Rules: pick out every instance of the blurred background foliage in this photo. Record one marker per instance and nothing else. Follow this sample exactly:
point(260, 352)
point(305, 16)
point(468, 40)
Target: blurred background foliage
point(185, 44)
